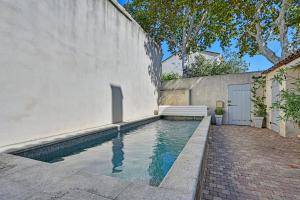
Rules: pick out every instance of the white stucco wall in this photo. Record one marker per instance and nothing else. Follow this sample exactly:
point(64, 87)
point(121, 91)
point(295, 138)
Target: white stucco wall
point(208, 89)
point(286, 128)
point(174, 63)
point(58, 60)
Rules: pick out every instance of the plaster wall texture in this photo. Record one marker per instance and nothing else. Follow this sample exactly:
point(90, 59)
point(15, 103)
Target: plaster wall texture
point(175, 97)
point(286, 128)
point(208, 90)
point(71, 65)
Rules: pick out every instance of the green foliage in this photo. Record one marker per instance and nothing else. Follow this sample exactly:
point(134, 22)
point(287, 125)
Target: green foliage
point(170, 20)
point(219, 111)
point(169, 76)
point(289, 99)
point(262, 17)
point(231, 65)
point(280, 76)
point(189, 26)
point(260, 108)
point(186, 26)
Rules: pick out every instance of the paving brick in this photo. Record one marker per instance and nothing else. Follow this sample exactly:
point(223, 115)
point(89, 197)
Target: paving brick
point(251, 163)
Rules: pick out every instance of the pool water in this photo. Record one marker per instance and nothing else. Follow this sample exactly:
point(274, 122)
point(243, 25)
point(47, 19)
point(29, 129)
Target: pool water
point(144, 154)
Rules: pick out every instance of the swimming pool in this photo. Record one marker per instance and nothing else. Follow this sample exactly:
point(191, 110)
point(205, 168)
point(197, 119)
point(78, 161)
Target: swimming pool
point(143, 154)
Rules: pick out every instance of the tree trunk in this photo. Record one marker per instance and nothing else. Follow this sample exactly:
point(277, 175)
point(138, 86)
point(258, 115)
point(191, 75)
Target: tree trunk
point(183, 54)
point(183, 64)
point(283, 30)
point(270, 55)
point(262, 46)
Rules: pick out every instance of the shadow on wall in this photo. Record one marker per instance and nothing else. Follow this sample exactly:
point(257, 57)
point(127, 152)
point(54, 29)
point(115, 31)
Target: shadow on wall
point(117, 103)
point(154, 69)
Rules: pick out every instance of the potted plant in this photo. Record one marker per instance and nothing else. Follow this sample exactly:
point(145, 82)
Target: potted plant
point(219, 116)
point(259, 116)
point(258, 99)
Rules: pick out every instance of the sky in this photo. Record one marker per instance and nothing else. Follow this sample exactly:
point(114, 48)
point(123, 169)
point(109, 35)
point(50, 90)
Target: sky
point(256, 63)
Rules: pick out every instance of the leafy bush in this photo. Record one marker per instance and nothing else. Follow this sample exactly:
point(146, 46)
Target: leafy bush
point(219, 111)
point(260, 108)
point(230, 65)
point(289, 99)
point(169, 76)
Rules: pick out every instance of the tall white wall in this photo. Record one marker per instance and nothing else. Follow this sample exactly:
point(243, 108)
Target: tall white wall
point(61, 61)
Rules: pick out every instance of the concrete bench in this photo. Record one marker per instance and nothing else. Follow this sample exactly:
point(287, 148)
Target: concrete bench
point(189, 111)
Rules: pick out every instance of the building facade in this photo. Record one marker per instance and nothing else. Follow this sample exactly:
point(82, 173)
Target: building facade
point(173, 64)
point(285, 128)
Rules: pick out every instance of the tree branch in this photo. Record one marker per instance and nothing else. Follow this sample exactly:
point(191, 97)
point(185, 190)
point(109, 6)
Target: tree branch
point(283, 30)
point(267, 52)
point(251, 33)
point(201, 23)
point(191, 25)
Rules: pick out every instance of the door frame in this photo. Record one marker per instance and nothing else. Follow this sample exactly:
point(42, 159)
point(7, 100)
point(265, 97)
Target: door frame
point(275, 126)
point(228, 107)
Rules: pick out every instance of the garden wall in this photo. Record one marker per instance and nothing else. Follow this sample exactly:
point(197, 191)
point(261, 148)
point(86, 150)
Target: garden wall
point(203, 90)
point(70, 65)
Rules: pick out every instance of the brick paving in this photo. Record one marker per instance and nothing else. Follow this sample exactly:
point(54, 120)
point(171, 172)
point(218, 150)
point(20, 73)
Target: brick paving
point(250, 163)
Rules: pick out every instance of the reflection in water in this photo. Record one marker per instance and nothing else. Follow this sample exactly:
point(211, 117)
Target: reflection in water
point(168, 146)
point(118, 154)
point(150, 150)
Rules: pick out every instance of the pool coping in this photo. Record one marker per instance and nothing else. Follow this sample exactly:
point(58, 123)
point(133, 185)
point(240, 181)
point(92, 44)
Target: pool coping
point(26, 146)
point(187, 173)
point(182, 181)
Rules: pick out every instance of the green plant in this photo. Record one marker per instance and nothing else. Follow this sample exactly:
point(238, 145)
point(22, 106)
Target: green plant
point(231, 64)
point(289, 99)
point(219, 111)
point(259, 23)
point(185, 26)
point(169, 76)
point(258, 96)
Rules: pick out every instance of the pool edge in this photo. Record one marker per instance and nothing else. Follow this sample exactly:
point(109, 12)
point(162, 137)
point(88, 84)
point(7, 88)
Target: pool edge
point(187, 173)
point(134, 191)
point(44, 142)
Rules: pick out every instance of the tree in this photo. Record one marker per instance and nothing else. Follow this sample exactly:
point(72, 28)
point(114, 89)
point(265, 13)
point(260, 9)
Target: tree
point(187, 26)
point(260, 21)
point(230, 65)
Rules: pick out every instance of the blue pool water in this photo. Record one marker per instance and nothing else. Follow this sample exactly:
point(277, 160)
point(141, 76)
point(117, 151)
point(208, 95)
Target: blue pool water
point(144, 154)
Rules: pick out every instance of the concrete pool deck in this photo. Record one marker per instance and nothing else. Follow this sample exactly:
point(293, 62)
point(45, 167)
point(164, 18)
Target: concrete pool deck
point(23, 178)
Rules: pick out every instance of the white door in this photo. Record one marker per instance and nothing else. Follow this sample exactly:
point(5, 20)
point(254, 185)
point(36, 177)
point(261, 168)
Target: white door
point(239, 104)
point(275, 118)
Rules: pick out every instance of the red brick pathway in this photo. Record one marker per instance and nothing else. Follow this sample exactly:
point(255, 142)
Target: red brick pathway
point(249, 163)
